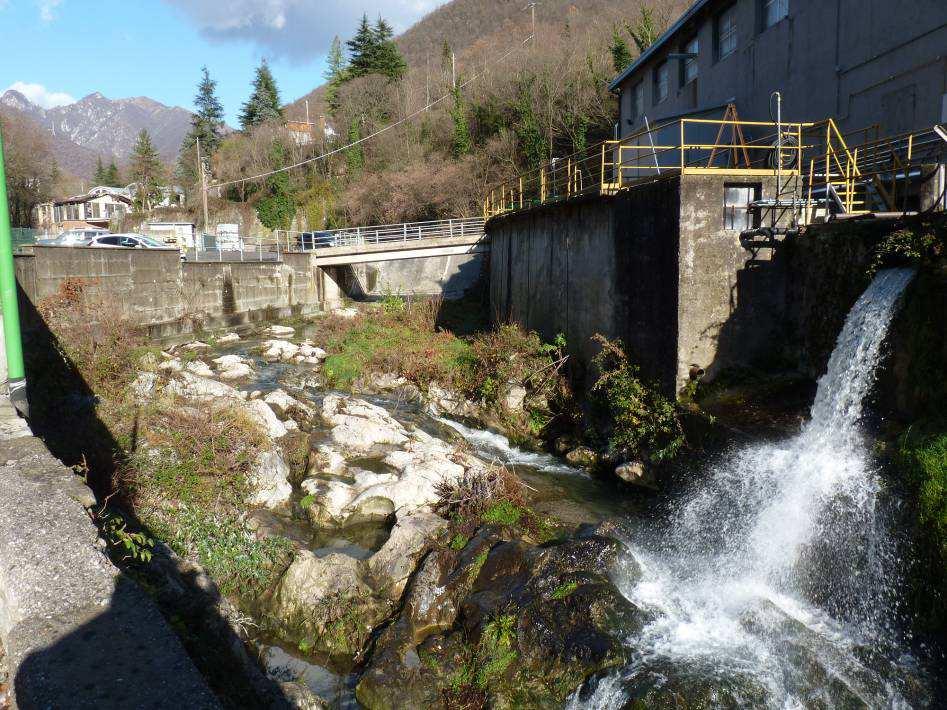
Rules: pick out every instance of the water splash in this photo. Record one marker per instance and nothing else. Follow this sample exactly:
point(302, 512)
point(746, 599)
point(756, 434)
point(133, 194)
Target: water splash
point(491, 446)
point(777, 570)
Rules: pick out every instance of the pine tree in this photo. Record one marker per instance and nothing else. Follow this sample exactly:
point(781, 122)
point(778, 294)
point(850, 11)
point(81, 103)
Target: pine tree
point(387, 60)
point(207, 124)
point(621, 55)
point(335, 75)
point(145, 167)
point(112, 177)
point(99, 177)
point(362, 49)
point(461, 142)
point(264, 103)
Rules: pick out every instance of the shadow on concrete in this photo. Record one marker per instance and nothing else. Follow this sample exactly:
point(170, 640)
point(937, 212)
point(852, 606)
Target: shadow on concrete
point(373, 281)
point(63, 414)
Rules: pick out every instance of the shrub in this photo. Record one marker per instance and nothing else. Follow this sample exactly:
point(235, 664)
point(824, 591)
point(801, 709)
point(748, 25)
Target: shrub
point(921, 239)
point(640, 420)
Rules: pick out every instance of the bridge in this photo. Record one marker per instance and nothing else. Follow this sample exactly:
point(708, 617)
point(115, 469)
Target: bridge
point(388, 242)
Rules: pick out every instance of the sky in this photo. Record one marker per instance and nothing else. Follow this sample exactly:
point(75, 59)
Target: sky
point(57, 51)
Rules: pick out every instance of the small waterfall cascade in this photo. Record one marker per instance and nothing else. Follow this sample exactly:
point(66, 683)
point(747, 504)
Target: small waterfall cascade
point(775, 577)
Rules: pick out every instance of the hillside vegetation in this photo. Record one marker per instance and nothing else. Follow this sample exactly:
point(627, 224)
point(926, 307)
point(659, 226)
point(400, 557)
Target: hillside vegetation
point(516, 104)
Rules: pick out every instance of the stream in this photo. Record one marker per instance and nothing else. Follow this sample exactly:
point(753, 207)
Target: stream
point(771, 583)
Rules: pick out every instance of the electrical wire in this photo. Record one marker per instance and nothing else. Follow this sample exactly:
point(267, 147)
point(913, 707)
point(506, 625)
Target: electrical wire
point(377, 133)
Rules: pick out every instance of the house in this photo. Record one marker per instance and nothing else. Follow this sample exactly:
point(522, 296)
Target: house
point(96, 208)
point(865, 63)
point(309, 132)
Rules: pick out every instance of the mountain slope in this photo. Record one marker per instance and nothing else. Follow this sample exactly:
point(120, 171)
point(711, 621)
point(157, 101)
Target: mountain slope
point(479, 32)
point(97, 126)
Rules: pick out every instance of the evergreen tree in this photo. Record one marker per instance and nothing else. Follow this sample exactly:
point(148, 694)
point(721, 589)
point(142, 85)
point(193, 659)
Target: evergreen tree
point(621, 55)
point(362, 49)
point(145, 167)
point(335, 75)
point(99, 177)
point(264, 103)
point(207, 124)
point(112, 177)
point(277, 206)
point(461, 142)
point(387, 60)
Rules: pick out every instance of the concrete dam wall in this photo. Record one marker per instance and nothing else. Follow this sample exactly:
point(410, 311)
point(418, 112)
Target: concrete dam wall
point(661, 267)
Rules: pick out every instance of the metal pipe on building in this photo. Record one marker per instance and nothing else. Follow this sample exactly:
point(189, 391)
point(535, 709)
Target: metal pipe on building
point(13, 345)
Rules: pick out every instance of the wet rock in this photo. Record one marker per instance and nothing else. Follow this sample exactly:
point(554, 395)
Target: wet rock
point(637, 474)
point(279, 351)
point(285, 406)
point(410, 538)
point(263, 415)
point(310, 354)
point(360, 426)
point(269, 481)
point(564, 444)
point(326, 601)
point(228, 338)
point(199, 368)
point(240, 371)
point(195, 345)
point(326, 461)
point(339, 502)
point(280, 331)
point(442, 401)
point(301, 697)
point(191, 386)
point(582, 456)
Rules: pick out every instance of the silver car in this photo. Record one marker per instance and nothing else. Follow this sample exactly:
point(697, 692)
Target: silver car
point(129, 241)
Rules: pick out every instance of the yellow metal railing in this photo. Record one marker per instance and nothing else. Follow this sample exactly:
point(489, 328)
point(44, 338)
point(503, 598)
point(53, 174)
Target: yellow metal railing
point(686, 145)
point(819, 157)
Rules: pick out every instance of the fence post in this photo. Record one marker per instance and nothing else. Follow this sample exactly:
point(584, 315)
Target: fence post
point(404, 231)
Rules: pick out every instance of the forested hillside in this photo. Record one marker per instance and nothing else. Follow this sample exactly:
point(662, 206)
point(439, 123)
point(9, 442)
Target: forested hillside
point(517, 103)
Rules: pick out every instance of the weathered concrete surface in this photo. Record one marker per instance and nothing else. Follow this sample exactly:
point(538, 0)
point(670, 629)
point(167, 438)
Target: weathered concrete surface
point(653, 266)
point(76, 633)
point(449, 276)
point(395, 250)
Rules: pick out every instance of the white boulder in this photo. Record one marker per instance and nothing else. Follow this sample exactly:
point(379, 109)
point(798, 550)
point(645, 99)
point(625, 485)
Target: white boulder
point(286, 405)
point(191, 386)
point(410, 538)
point(269, 481)
point(199, 368)
point(276, 350)
point(228, 338)
point(262, 414)
point(280, 331)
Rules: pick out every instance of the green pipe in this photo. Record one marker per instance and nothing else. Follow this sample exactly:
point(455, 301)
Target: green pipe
point(8, 300)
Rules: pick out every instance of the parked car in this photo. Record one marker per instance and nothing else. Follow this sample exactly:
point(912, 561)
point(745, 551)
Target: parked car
point(73, 237)
point(129, 241)
point(315, 240)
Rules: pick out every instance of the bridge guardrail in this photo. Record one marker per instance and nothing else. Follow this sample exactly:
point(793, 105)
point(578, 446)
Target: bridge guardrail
point(404, 232)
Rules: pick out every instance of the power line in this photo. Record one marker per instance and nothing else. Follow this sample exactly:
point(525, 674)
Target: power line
point(377, 133)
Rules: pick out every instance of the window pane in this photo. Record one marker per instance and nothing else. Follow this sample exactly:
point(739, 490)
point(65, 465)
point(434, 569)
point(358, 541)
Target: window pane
point(661, 82)
point(726, 33)
point(690, 65)
point(774, 11)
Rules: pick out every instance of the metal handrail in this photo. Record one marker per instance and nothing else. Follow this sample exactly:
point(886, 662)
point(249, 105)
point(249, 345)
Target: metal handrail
point(381, 233)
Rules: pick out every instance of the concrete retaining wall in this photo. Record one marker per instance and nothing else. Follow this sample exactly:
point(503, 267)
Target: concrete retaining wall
point(449, 276)
point(653, 266)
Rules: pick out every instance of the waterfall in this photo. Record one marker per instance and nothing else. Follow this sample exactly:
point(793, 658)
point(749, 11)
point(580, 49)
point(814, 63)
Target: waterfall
point(778, 563)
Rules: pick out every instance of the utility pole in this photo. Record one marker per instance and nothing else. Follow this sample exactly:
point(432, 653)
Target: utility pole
point(453, 71)
point(307, 114)
point(200, 167)
point(532, 8)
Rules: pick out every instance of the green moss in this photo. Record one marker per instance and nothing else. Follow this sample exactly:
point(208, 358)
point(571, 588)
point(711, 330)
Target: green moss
point(474, 571)
point(503, 513)
point(564, 590)
point(459, 541)
point(307, 501)
point(922, 458)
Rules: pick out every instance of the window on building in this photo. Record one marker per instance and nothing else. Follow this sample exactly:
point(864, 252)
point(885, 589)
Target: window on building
point(689, 66)
point(773, 11)
point(737, 213)
point(637, 101)
point(725, 32)
point(660, 82)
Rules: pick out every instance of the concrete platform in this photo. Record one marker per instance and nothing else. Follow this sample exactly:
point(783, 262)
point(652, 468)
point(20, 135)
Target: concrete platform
point(76, 632)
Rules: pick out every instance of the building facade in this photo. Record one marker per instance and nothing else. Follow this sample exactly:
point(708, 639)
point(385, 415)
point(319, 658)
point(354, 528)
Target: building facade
point(861, 62)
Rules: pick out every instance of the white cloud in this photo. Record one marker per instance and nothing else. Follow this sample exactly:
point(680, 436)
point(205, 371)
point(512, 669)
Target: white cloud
point(41, 96)
point(47, 9)
point(296, 29)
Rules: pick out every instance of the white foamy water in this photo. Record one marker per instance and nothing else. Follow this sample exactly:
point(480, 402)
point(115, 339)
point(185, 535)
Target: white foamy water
point(496, 447)
point(776, 571)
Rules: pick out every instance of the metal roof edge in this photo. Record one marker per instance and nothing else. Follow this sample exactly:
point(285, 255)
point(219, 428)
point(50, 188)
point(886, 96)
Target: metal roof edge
point(658, 43)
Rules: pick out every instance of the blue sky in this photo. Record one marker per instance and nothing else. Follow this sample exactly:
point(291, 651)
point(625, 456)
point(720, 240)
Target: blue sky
point(61, 50)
